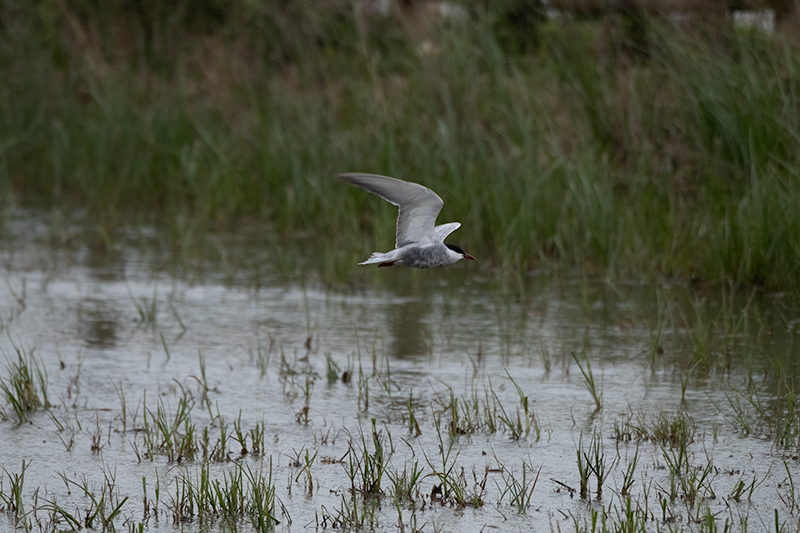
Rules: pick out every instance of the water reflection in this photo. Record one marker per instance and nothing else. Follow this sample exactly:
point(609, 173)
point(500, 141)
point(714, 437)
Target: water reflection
point(104, 263)
point(407, 328)
point(98, 324)
point(418, 304)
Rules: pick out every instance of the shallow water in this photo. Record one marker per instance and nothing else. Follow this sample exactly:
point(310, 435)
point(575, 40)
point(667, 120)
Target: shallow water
point(140, 322)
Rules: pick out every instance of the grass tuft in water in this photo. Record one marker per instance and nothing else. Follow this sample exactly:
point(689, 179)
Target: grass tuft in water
point(774, 415)
point(366, 468)
point(25, 388)
point(104, 506)
point(453, 487)
point(172, 435)
point(13, 501)
point(146, 308)
point(592, 462)
point(663, 429)
point(406, 484)
point(589, 382)
point(518, 488)
point(627, 477)
point(354, 514)
point(331, 369)
point(239, 495)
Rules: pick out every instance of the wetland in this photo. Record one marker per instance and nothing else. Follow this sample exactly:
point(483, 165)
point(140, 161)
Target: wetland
point(231, 395)
point(188, 344)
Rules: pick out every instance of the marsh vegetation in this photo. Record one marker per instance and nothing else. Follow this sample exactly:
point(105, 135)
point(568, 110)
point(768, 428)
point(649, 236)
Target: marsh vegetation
point(187, 345)
point(627, 145)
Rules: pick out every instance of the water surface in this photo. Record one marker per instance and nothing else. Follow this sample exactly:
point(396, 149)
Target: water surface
point(243, 328)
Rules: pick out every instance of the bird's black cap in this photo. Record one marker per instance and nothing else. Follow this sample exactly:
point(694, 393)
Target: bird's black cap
point(455, 248)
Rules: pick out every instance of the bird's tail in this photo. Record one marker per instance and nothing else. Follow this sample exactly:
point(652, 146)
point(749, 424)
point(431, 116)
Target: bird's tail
point(379, 257)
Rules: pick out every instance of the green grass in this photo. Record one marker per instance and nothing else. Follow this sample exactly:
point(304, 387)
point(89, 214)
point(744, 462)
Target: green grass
point(405, 488)
point(574, 153)
point(470, 414)
point(518, 489)
point(775, 415)
point(661, 428)
point(12, 500)
point(25, 388)
point(366, 468)
point(104, 504)
point(589, 382)
point(592, 462)
point(240, 494)
point(452, 487)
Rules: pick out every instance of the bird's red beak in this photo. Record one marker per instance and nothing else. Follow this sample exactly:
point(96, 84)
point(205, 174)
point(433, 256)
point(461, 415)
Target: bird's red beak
point(471, 258)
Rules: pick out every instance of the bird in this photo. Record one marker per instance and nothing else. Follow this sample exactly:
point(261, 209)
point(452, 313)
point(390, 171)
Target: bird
point(419, 244)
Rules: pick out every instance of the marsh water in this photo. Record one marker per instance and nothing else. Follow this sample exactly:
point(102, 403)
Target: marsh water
point(487, 383)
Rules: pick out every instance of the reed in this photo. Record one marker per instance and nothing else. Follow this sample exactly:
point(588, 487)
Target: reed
point(147, 310)
point(105, 504)
point(676, 161)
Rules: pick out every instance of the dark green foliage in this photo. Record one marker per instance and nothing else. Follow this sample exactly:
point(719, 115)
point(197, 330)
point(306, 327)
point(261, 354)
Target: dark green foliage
point(683, 163)
point(517, 24)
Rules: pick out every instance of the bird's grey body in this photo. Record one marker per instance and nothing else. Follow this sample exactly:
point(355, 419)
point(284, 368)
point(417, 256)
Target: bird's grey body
point(416, 256)
point(419, 243)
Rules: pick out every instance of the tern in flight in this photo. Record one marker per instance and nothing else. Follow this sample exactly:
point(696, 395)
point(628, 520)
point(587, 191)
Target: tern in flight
point(419, 243)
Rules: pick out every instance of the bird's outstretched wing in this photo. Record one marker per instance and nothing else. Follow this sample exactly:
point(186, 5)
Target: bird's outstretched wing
point(418, 206)
point(446, 229)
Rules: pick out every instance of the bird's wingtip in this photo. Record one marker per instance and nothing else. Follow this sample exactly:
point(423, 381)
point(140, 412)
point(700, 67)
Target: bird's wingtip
point(347, 177)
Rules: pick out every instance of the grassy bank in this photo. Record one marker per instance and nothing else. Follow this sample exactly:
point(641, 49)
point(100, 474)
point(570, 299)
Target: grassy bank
point(627, 146)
